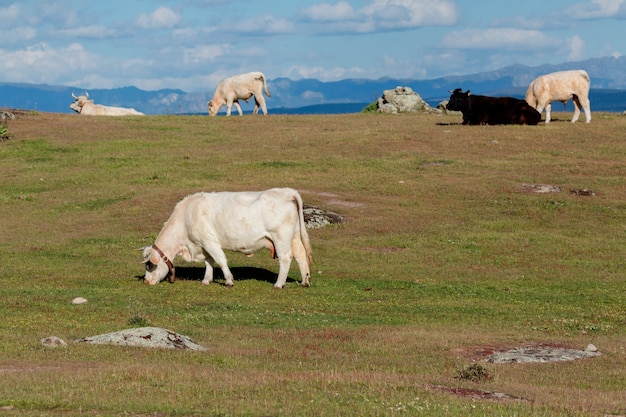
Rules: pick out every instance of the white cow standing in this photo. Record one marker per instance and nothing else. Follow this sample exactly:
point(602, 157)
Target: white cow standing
point(86, 107)
point(202, 225)
point(561, 86)
point(240, 87)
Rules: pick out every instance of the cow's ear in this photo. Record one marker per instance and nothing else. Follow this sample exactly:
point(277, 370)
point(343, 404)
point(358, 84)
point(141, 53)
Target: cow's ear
point(150, 255)
point(468, 93)
point(154, 258)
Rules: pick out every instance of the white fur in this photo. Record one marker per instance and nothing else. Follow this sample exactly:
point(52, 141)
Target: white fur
point(202, 225)
point(239, 87)
point(561, 86)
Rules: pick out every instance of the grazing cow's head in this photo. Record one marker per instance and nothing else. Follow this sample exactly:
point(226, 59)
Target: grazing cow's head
point(158, 266)
point(213, 108)
point(458, 100)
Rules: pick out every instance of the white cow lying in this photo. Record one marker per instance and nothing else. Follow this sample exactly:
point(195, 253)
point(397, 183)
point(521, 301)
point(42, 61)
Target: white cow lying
point(239, 87)
point(561, 86)
point(202, 225)
point(85, 107)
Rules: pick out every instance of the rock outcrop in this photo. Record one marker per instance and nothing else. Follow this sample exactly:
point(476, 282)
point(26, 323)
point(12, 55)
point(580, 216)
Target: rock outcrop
point(150, 337)
point(402, 100)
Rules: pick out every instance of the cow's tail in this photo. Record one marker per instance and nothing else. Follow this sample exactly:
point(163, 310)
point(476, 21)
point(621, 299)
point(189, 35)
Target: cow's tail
point(304, 236)
point(267, 92)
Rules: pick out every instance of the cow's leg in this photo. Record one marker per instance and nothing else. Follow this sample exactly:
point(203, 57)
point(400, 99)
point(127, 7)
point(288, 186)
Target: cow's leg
point(587, 108)
point(583, 103)
point(577, 108)
point(285, 263)
point(282, 244)
point(208, 273)
point(229, 105)
point(236, 103)
point(223, 264)
point(303, 262)
point(218, 256)
point(261, 102)
point(548, 110)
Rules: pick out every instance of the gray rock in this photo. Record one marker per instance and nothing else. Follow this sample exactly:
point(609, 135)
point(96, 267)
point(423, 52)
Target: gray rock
point(150, 337)
point(316, 218)
point(402, 100)
point(591, 348)
point(79, 300)
point(5, 114)
point(539, 354)
point(442, 107)
point(53, 342)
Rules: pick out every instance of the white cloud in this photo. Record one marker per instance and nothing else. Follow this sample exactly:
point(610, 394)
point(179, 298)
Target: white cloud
point(41, 63)
point(577, 49)
point(9, 14)
point(91, 31)
point(322, 73)
point(324, 12)
point(411, 13)
point(204, 53)
point(264, 23)
point(17, 35)
point(598, 9)
point(161, 18)
point(386, 15)
point(496, 38)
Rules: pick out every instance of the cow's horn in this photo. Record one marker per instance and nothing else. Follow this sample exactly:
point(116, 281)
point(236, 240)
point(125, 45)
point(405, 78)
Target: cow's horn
point(74, 95)
point(86, 94)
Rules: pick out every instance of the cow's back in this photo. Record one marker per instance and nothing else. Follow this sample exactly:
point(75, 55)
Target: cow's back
point(558, 86)
point(234, 216)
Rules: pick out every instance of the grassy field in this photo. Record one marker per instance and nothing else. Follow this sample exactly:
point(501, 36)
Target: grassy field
point(447, 253)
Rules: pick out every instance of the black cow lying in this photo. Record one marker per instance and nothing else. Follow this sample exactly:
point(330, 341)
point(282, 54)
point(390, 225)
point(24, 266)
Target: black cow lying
point(483, 110)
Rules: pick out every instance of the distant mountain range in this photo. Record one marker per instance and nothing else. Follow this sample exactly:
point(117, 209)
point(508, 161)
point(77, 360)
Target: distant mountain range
point(311, 96)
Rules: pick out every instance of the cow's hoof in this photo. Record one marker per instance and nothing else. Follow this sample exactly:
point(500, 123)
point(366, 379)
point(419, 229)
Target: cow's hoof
point(229, 284)
point(306, 284)
point(278, 287)
point(206, 282)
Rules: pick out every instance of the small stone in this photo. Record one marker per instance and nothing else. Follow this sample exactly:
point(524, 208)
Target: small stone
point(591, 348)
point(53, 342)
point(79, 300)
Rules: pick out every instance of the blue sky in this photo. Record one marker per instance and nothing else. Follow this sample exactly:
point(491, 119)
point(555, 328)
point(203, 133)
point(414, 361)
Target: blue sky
point(193, 44)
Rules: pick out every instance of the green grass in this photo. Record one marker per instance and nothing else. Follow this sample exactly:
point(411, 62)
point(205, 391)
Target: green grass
point(444, 254)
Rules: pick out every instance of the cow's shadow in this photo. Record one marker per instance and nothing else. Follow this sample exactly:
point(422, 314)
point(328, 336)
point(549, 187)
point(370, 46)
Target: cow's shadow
point(242, 273)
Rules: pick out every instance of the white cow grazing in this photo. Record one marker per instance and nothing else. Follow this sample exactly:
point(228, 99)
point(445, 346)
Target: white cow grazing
point(85, 107)
point(561, 86)
point(239, 87)
point(202, 225)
